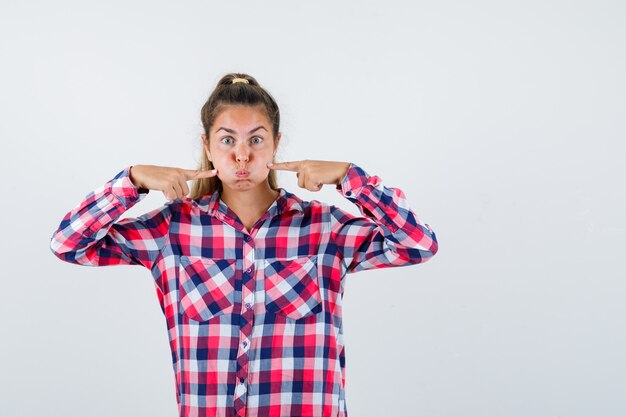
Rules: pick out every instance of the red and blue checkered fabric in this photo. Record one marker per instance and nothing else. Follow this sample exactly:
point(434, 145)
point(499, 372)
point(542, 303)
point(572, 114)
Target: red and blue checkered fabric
point(254, 318)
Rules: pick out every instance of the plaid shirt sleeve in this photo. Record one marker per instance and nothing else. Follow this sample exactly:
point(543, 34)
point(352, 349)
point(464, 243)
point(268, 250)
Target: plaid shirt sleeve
point(91, 234)
point(389, 233)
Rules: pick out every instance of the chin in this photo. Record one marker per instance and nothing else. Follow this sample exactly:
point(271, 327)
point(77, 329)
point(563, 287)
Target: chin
point(242, 184)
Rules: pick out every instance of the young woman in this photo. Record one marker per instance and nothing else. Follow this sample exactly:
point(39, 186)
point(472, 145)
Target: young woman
point(249, 276)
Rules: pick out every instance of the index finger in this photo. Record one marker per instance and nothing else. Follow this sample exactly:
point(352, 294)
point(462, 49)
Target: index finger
point(199, 173)
point(289, 166)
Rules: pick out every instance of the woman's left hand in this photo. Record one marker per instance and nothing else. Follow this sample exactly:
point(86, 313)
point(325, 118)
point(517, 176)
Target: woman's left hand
point(313, 174)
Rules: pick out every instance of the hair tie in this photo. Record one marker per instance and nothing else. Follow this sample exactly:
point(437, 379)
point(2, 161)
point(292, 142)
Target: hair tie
point(239, 80)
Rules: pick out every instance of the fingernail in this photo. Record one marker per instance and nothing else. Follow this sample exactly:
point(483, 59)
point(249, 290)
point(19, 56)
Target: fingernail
point(269, 164)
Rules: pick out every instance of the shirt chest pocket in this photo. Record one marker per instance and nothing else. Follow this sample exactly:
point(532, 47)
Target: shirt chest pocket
point(291, 287)
point(207, 287)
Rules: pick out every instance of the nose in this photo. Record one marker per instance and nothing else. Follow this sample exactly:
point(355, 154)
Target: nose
point(242, 154)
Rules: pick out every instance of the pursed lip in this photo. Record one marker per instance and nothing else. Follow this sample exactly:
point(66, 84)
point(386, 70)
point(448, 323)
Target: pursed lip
point(242, 173)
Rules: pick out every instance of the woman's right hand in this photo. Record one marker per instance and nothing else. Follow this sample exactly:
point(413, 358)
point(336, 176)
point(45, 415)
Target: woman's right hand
point(171, 181)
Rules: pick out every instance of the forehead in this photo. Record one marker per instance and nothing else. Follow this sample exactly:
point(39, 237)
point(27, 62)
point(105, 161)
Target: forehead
point(241, 118)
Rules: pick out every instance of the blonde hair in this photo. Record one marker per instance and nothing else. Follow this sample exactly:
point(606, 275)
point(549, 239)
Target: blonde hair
point(227, 93)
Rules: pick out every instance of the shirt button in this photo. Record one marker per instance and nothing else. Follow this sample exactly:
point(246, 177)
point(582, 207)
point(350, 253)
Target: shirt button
point(241, 380)
point(348, 192)
point(249, 306)
point(247, 238)
point(249, 270)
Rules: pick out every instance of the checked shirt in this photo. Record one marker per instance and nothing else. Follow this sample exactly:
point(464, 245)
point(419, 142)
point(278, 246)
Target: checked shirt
point(254, 319)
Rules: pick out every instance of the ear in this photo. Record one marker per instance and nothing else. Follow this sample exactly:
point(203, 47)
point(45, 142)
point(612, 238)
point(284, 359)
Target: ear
point(277, 142)
point(206, 145)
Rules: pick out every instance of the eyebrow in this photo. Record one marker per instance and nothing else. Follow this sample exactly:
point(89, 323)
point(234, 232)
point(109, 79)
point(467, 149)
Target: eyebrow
point(233, 131)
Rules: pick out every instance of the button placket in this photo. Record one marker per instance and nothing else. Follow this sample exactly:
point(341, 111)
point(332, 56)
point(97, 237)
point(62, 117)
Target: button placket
point(247, 315)
point(249, 301)
point(241, 388)
point(245, 345)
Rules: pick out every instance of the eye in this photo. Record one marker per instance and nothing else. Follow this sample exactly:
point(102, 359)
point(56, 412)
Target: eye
point(258, 137)
point(226, 137)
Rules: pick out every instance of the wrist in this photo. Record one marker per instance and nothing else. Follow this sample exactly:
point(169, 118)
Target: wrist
point(345, 171)
point(133, 178)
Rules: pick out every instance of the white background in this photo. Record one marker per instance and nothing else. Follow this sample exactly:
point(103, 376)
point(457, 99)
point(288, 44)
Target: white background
point(502, 121)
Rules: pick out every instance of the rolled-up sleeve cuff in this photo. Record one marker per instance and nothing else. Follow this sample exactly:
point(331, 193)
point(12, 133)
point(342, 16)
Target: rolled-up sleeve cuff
point(354, 180)
point(124, 189)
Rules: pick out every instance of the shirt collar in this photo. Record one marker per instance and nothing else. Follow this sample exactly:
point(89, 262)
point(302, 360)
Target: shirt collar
point(285, 202)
